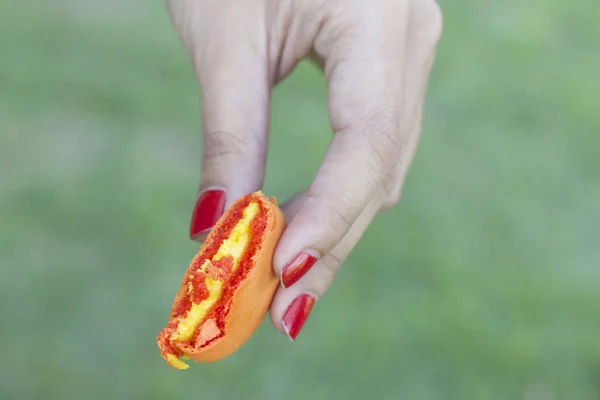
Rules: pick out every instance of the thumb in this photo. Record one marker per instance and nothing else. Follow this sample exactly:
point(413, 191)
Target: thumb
point(234, 90)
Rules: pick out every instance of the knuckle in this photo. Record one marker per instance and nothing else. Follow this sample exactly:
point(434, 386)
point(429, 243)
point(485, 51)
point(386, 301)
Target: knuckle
point(392, 199)
point(219, 144)
point(331, 265)
point(382, 137)
point(340, 217)
point(344, 220)
point(430, 19)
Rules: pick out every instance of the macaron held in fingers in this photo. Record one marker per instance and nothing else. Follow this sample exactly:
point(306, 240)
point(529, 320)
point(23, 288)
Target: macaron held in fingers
point(228, 287)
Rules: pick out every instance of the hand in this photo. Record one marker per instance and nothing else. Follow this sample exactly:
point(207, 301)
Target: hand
point(376, 55)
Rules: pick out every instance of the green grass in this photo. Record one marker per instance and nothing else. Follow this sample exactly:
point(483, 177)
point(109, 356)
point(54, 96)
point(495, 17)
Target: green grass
point(483, 283)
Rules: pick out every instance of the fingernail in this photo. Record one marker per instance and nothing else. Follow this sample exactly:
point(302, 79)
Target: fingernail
point(299, 266)
point(209, 208)
point(297, 314)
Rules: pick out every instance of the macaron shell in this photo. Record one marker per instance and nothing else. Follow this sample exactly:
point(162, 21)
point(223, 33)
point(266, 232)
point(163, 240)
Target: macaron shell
point(252, 297)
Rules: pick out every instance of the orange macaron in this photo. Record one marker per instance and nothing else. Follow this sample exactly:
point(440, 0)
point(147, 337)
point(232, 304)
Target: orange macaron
point(228, 287)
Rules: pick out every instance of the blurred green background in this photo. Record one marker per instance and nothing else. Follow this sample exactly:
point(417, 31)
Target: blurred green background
point(483, 284)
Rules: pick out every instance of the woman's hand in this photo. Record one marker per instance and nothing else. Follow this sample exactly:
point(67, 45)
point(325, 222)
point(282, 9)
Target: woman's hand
point(376, 55)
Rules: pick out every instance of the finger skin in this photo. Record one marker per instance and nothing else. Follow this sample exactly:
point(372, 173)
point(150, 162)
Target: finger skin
point(318, 279)
point(424, 34)
point(226, 42)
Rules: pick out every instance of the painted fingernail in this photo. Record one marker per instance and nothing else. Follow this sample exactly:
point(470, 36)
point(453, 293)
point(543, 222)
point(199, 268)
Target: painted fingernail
point(297, 314)
point(209, 208)
point(299, 266)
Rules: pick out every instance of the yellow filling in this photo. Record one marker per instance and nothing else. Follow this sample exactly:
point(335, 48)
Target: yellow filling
point(176, 362)
point(233, 246)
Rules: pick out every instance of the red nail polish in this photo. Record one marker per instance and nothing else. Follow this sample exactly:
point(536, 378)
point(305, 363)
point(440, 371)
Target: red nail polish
point(297, 314)
point(296, 268)
point(209, 208)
